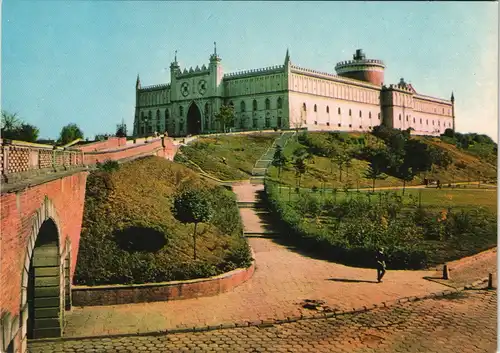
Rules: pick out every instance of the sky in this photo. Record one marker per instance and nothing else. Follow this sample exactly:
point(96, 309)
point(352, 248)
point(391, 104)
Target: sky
point(77, 62)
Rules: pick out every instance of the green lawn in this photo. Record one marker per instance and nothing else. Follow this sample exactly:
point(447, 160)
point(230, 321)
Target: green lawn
point(240, 153)
point(469, 198)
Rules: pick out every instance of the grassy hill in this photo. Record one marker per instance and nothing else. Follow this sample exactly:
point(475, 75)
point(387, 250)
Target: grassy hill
point(130, 235)
point(323, 171)
point(240, 153)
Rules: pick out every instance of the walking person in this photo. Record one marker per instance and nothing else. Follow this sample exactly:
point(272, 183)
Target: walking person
point(380, 257)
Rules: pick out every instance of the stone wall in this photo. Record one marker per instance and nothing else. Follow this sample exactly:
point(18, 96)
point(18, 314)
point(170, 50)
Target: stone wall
point(162, 147)
point(151, 292)
point(109, 143)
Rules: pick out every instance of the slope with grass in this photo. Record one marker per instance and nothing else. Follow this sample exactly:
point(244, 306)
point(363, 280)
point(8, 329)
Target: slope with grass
point(130, 235)
point(229, 157)
point(324, 172)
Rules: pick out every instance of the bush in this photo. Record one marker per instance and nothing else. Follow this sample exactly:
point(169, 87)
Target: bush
point(108, 166)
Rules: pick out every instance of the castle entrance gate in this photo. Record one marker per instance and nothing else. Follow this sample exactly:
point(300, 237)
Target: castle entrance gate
point(193, 120)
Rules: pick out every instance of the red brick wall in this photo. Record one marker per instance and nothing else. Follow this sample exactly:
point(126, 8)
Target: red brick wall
point(167, 151)
point(112, 142)
point(17, 209)
point(113, 295)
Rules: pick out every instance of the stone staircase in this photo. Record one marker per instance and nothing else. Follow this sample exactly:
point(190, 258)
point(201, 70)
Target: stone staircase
point(257, 221)
point(260, 168)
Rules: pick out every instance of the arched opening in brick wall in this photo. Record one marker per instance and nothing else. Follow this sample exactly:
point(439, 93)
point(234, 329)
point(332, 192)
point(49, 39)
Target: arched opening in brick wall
point(45, 287)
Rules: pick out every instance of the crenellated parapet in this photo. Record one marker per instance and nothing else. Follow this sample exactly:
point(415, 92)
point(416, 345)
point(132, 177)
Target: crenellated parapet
point(192, 72)
point(361, 62)
point(256, 72)
point(158, 87)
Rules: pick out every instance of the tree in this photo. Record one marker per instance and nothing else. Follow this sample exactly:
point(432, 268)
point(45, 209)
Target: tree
point(70, 133)
point(191, 206)
point(121, 130)
point(225, 116)
point(376, 168)
point(14, 128)
point(449, 133)
point(300, 168)
point(10, 121)
point(279, 159)
point(101, 137)
point(406, 173)
point(28, 132)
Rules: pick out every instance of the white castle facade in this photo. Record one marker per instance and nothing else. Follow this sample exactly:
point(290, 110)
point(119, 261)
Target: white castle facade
point(287, 97)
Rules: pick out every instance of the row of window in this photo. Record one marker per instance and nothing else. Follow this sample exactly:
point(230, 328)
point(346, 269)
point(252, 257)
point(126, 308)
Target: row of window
point(167, 113)
point(427, 121)
point(339, 111)
point(279, 104)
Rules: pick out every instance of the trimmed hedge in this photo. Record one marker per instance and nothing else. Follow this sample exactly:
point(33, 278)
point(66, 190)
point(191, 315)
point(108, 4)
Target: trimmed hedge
point(350, 231)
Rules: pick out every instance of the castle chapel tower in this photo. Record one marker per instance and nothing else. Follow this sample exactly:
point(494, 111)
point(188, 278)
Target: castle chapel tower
point(360, 68)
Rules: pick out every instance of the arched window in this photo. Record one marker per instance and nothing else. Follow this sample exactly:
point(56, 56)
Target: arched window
point(315, 108)
point(280, 103)
point(304, 108)
point(327, 109)
point(400, 117)
point(242, 106)
point(339, 111)
point(181, 111)
point(378, 116)
point(426, 121)
point(207, 107)
point(231, 104)
point(350, 112)
point(167, 114)
point(360, 114)
point(254, 105)
point(268, 104)
point(158, 114)
point(142, 115)
point(414, 120)
point(407, 118)
point(432, 122)
point(149, 115)
point(369, 115)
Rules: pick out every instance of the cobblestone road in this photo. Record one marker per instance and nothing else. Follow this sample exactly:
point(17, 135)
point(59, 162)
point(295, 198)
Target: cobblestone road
point(464, 321)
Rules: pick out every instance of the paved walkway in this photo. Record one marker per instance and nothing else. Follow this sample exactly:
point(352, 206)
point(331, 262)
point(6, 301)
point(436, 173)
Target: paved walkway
point(464, 322)
point(283, 278)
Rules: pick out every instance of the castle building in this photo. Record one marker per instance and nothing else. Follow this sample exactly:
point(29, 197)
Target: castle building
point(288, 97)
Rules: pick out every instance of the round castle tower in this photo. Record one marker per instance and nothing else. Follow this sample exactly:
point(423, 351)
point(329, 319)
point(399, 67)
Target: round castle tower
point(360, 68)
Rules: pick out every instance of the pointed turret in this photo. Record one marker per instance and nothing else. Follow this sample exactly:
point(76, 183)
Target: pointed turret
point(452, 97)
point(174, 65)
point(138, 82)
point(287, 57)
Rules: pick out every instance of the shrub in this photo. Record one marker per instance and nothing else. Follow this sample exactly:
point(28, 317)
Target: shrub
point(108, 166)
